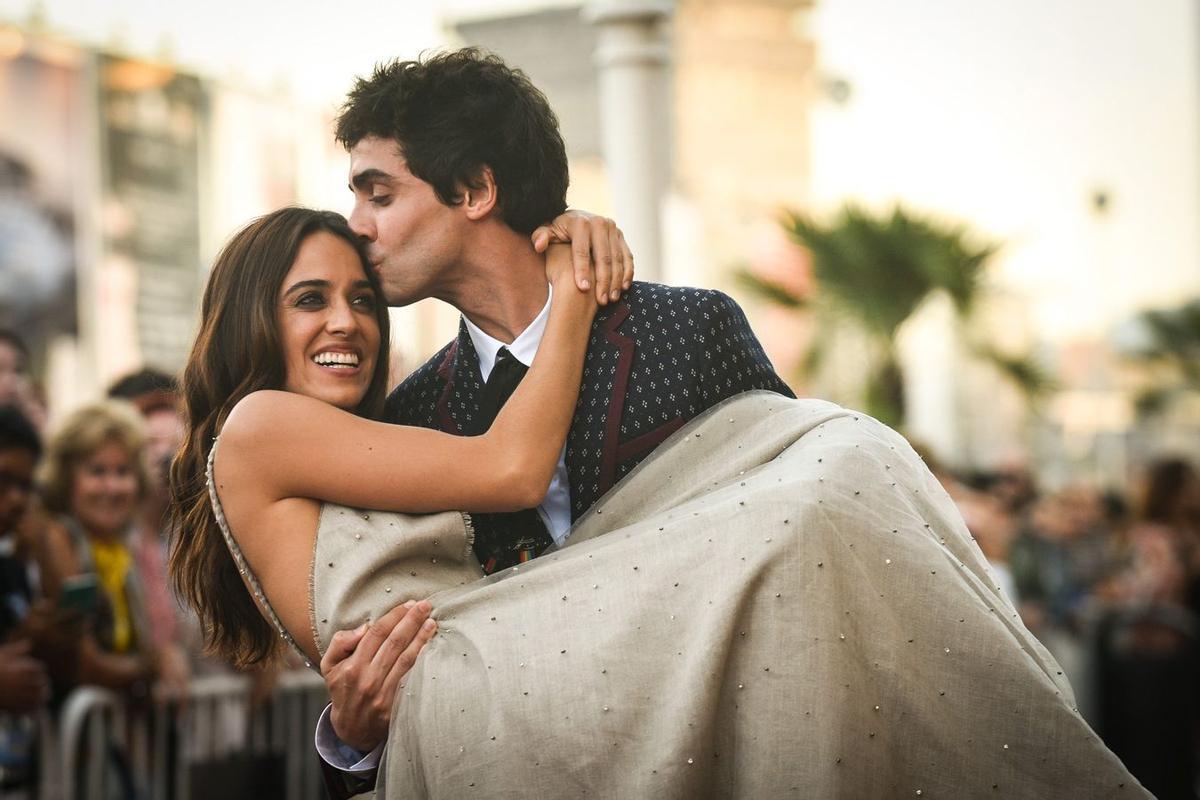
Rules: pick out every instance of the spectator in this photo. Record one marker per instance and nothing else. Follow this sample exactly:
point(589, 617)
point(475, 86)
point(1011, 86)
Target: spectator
point(15, 387)
point(94, 478)
point(1148, 651)
point(993, 527)
point(24, 684)
point(156, 395)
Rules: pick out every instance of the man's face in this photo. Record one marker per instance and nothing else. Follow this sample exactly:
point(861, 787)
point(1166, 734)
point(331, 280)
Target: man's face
point(16, 484)
point(413, 239)
point(164, 435)
point(14, 379)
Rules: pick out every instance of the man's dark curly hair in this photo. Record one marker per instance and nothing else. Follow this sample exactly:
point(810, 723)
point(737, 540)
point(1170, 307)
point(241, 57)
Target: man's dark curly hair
point(454, 114)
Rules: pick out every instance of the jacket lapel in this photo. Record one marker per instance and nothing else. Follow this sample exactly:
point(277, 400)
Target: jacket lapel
point(595, 431)
point(616, 396)
point(458, 406)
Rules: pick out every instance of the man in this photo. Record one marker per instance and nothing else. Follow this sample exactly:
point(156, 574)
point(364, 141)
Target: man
point(454, 161)
point(24, 679)
point(155, 394)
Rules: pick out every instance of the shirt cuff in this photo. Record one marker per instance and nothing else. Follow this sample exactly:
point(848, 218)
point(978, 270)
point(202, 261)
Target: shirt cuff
point(341, 756)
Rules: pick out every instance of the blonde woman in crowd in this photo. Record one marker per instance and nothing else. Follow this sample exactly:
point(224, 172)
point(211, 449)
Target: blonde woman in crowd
point(93, 481)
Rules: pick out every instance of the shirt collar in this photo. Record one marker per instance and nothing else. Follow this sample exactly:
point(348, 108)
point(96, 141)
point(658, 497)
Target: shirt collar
point(523, 348)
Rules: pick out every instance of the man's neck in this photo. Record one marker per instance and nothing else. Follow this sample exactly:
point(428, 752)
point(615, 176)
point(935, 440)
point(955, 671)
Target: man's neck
point(502, 286)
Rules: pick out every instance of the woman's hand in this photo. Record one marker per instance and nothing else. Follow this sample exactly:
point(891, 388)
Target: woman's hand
point(561, 273)
point(597, 246)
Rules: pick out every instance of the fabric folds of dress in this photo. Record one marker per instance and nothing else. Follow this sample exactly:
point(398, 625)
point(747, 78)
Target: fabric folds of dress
point(780, 602)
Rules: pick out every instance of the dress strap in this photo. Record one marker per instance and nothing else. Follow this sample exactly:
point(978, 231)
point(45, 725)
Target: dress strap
point(240, 560)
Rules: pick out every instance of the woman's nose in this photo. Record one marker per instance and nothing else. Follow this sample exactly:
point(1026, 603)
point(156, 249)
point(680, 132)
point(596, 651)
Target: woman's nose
point(341, 319)
point(116, 483)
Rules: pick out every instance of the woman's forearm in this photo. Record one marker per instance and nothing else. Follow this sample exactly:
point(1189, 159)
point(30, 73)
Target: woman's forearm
point(532, 426)
point(111, 670)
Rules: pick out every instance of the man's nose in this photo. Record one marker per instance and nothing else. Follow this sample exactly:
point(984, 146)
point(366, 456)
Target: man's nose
point(360, 222)
point(17, 498)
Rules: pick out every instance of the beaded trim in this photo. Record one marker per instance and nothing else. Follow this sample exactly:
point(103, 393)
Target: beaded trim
point(243, 567)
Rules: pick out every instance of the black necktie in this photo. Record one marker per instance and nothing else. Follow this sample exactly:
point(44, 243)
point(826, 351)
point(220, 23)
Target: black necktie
point(501, 383)
point(521, 535)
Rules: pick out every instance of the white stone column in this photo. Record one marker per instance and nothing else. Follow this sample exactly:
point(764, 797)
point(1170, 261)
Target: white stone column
point(631, 59)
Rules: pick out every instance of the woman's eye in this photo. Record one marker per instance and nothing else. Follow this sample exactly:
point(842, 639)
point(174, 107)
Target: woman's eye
point(366, 301)
point(310, 300)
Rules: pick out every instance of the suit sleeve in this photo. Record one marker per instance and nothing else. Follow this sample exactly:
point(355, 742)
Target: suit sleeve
point(342, 786)
point(731, 358)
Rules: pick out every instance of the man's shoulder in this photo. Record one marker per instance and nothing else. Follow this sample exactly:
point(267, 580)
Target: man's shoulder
point(644, 292)
point(705, 307)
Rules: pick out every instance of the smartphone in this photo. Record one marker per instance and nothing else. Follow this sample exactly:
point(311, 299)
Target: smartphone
point(79, 593)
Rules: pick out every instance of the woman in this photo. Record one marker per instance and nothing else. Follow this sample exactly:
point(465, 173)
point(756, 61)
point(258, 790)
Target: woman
point(779, 601)
point(93, 480)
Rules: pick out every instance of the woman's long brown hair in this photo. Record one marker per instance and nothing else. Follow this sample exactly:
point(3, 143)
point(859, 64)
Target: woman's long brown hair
point(236, 352)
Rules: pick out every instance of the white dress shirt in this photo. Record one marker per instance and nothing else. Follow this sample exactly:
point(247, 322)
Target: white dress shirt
point(555, 511)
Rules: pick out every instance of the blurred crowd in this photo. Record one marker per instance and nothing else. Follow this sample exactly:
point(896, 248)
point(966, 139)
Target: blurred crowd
point(84, 594)
point(1108, 580)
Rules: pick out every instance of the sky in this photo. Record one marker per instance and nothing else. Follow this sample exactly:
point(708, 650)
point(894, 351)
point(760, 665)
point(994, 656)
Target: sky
point(310, 49)
point(1010, 116)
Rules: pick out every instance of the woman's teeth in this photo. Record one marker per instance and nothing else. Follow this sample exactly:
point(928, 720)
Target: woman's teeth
point(342, 360)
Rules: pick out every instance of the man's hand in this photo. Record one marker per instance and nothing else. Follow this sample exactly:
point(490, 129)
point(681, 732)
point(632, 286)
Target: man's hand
point(595, 242)
point(363, 669)
point(24, 686)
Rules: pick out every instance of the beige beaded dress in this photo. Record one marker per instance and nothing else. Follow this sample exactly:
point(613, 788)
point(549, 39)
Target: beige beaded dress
point(780, 602)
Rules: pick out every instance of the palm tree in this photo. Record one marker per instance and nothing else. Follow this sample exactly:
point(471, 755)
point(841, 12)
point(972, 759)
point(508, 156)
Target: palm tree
point(1171, 349)
point(874, 273)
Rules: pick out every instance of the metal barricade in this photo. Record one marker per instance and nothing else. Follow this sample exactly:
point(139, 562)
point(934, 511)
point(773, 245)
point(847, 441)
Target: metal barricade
point(101, 747)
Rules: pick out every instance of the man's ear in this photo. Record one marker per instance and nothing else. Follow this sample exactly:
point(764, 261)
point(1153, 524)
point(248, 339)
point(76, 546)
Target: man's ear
point(479, 200)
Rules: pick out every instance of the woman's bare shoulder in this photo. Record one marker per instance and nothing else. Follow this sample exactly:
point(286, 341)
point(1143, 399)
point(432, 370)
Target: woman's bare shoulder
point(261, 409)
point(272, 415)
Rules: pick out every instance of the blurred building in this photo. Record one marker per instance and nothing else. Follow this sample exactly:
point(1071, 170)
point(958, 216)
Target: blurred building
point(733, 121)
point(132, 173)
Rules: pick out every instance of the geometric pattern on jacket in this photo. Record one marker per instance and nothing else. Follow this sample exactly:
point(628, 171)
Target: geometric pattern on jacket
point(658, 357)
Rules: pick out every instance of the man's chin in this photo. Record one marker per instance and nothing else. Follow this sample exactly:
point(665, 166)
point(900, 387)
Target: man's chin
point(397, 298)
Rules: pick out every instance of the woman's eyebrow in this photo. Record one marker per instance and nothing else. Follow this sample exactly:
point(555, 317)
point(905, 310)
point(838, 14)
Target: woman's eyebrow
point(307, 284)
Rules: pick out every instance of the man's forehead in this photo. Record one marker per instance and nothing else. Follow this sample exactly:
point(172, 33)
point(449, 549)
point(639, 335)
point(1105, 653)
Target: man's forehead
point(374, 153)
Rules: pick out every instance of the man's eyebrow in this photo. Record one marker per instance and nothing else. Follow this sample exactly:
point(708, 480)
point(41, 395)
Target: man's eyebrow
point(367, 177)
point(307, 284)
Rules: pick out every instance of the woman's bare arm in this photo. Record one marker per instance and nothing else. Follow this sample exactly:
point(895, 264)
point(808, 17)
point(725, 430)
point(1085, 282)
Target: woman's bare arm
point(290, 445)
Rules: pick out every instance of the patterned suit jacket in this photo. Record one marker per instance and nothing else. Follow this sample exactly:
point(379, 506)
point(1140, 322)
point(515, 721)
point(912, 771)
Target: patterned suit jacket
point(655, 359)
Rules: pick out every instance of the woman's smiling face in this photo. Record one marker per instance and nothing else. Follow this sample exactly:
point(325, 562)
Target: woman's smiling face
point(105, 490)
point(327, 325)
